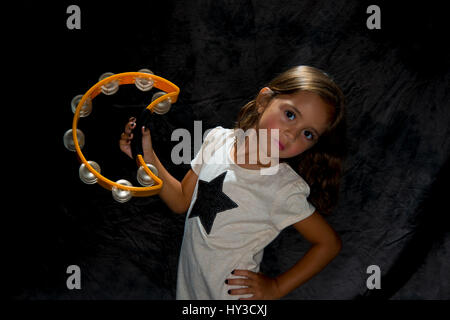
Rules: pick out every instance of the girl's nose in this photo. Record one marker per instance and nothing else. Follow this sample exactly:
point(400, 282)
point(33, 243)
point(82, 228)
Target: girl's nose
point(288, 135)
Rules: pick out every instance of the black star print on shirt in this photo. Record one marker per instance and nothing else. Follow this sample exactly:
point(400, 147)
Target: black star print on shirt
point(210, 201)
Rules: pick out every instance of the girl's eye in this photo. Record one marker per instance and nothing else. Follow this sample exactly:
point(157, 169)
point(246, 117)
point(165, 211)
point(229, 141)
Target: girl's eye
point(290, 115)
point(308, 135)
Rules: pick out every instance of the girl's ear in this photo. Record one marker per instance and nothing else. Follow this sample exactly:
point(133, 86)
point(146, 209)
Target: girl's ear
point(263, 98)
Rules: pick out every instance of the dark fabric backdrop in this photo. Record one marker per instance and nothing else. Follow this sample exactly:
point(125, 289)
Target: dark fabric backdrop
point(393, 210)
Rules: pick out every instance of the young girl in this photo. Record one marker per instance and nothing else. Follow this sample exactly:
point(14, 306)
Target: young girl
point(234, 210)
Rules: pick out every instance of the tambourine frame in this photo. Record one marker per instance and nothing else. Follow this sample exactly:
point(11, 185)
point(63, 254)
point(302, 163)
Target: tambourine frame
point(172, 92)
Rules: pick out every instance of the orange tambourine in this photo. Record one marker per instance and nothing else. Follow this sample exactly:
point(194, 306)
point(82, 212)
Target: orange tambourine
point(108, 84)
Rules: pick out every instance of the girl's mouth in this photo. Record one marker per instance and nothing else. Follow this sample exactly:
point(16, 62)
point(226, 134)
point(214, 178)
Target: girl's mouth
point(280, 145)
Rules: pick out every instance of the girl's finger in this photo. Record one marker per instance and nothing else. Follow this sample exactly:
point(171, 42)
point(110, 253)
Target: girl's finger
point(245, 273)
point(240, 291)
point(124, 142)
point(126, 137)
point(239, 282)
point(129, 127)
point(145, 130)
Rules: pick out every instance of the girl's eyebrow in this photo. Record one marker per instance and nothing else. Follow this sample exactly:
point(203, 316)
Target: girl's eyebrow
point(298, 111)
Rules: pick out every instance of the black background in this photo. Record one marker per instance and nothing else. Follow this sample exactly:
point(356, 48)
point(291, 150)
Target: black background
point(393, 209)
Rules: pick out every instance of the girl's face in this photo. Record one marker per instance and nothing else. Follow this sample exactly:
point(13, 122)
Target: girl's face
point(301, 119)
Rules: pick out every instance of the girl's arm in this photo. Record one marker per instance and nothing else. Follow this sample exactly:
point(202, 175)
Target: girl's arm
point(326, 244)
point(177, 195)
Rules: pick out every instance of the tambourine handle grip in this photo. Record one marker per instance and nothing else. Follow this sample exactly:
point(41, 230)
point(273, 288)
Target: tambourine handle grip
point(136, 143)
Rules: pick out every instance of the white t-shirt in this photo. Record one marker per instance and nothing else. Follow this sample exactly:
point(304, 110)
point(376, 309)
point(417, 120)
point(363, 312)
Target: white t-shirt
point(234, 213)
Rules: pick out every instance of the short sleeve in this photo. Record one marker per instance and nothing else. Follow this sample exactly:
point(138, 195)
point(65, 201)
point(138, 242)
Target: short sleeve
point(199, 158)
point(291, 205)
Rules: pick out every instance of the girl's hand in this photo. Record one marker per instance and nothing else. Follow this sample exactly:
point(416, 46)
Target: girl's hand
point(261, 286)
point(127, 136)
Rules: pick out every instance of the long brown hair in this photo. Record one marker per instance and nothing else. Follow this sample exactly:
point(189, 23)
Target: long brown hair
point(321, 165)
